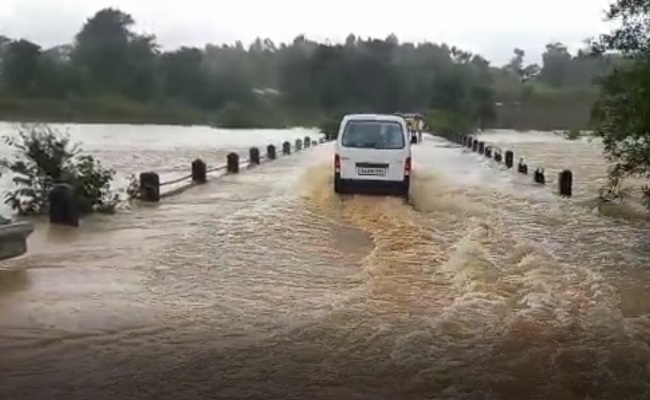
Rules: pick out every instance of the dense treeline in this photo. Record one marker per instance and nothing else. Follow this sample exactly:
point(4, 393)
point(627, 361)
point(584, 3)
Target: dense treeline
point(111, 73)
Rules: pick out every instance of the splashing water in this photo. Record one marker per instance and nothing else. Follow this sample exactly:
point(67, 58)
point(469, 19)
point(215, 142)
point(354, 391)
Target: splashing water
point(268, 285)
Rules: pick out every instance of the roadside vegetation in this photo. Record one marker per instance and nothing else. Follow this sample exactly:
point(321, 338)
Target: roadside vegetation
point(621, 113)
point(43, 157)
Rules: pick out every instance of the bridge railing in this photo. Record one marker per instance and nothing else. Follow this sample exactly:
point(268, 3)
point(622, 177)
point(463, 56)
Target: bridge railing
point(148, 187)
point(507, 157)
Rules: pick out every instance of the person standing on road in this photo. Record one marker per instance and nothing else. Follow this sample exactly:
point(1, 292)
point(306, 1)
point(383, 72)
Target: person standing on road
point(414, 131)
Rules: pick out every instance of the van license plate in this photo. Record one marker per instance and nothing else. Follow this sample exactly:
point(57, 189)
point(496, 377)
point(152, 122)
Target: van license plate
point(372, 171)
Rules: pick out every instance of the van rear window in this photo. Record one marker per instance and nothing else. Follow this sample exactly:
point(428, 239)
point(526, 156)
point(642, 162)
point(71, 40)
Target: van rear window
point(373, 135)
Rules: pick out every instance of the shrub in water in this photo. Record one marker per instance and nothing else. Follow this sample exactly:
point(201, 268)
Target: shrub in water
point(45, 157)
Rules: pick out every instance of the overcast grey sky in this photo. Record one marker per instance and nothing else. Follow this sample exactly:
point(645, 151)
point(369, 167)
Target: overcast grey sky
point(492, 28)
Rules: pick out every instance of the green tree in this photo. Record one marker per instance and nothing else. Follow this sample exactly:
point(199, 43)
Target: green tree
point(102, 46)
point(116, 56)
point(621, 114)
point(20, 72)
point(184, 75)
point(111, 72)
point(556, 64)
point(516, 64)
point(142, 80)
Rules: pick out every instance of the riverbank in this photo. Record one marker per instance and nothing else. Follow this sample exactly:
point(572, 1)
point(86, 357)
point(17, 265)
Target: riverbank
point(119, 110)
point(539, 113)
point(97, 110)
point(547, 109)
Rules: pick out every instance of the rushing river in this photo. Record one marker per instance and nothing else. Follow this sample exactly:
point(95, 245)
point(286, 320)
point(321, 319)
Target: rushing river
point(266, 285)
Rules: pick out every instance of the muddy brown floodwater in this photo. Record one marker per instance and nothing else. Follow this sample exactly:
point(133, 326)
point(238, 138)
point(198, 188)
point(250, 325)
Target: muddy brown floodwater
point(268, 286)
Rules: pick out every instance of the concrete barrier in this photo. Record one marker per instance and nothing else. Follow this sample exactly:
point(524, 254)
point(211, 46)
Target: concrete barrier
point(522, 167)
point(232, 163)
point(199, 172)
point(509, 159)
point(565, 178)
point(254, 156)
point(63, 201)
point(270, 152)
point(13, 238)
point(64, 205)
point(565, 183)
point(148, 187)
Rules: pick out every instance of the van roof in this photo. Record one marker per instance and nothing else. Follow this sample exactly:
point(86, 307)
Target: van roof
point(373, 117)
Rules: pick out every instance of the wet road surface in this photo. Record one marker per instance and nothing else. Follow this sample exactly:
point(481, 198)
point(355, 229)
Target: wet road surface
point(268, 286)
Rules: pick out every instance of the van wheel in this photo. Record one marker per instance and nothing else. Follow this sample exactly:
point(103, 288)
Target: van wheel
point(337, 185)
point(405, 192)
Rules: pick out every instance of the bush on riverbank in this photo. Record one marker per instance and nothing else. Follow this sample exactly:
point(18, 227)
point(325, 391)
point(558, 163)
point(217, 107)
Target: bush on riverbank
point(45, 157)
point(103, 109)
point(116, 109)
point(261, 114)
point(547, 109)
point(447, 123)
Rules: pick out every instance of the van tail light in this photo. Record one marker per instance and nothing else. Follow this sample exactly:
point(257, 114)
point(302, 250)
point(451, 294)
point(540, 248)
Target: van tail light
point(337, 163)
point(407, 167)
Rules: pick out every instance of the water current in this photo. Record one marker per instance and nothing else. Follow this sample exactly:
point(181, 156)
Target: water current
point(266, 285)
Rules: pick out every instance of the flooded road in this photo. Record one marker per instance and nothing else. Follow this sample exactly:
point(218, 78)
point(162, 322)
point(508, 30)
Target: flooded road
point(268, 286)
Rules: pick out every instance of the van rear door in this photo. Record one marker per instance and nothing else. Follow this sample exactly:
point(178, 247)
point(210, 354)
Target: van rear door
point(373, 150)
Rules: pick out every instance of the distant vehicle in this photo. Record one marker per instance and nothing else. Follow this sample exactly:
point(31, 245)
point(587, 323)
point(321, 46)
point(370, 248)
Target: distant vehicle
point(373, 154)
point(13, 238)
point(415, 124)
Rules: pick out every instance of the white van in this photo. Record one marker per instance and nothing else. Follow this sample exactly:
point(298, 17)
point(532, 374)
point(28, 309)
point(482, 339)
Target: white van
point(373, 154)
